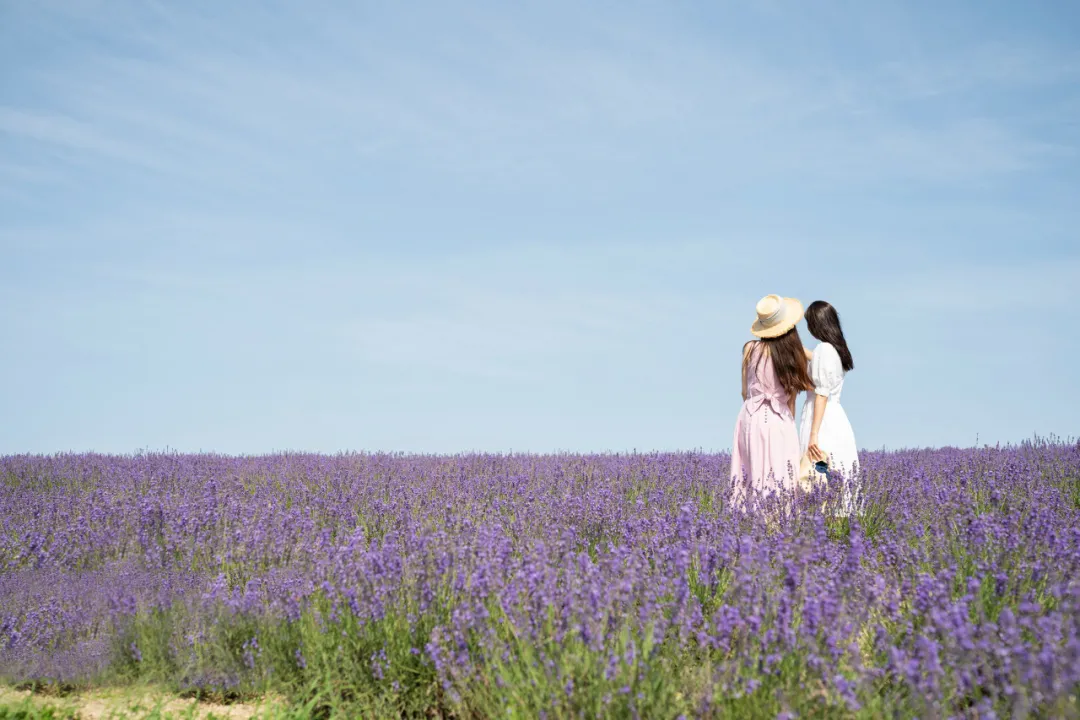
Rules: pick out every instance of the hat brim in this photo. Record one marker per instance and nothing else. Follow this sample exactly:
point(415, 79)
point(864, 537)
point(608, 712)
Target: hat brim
point(793, 313)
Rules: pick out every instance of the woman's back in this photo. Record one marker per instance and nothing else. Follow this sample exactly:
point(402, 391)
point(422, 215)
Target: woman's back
point(826, 429)
point(765, 451)
point(763, 382)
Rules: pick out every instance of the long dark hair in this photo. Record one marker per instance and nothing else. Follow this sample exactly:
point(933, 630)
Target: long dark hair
point(789, 361)
point(824, 324)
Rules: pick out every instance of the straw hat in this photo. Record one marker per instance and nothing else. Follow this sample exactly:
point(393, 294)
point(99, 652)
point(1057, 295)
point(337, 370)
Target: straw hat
point(776, 315)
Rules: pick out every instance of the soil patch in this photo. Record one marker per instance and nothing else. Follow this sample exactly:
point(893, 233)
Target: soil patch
point(122, 703)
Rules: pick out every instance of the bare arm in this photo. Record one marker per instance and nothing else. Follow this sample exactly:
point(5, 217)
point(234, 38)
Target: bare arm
point(815, 452)
point(745, 359)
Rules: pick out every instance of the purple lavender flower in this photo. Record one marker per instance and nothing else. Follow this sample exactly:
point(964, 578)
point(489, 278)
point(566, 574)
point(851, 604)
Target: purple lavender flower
point(955, 587)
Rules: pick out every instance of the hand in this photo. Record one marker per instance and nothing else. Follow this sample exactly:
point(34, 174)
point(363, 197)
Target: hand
point(814, 450)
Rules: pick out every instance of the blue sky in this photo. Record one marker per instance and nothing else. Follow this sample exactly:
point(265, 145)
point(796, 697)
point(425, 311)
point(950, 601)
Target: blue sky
point(442, 227)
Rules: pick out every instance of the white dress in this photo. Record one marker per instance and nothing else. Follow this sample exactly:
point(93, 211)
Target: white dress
point(835, 436)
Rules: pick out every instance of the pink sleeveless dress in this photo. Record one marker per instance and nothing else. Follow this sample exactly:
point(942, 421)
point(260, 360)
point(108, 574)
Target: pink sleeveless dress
point(765, 452)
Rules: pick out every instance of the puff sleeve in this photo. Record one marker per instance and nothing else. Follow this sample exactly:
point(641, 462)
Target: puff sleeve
point(826, 370)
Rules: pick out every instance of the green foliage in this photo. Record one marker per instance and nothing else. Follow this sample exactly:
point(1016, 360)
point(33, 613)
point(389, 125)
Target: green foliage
point(28, 710)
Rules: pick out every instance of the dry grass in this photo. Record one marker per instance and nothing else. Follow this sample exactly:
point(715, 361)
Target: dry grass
point(136, 702)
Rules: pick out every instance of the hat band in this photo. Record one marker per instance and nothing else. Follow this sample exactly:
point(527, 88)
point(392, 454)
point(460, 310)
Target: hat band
point(774, 318)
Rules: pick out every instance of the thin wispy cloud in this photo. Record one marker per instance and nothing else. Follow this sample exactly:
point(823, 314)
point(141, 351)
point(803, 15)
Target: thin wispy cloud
point(183, 93)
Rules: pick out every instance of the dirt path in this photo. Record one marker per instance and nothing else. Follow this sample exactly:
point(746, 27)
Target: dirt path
point(123, 703)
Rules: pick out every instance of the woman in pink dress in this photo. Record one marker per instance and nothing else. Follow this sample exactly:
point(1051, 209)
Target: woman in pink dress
point(765, 453)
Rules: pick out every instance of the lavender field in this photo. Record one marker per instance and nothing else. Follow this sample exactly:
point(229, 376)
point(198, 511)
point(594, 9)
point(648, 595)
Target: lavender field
point(549, 586)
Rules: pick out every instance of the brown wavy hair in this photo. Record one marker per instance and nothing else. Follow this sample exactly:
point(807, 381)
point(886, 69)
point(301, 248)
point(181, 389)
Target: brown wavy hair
point(789, 361)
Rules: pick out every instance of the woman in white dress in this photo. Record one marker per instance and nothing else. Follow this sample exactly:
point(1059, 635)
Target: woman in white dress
point(824, 431)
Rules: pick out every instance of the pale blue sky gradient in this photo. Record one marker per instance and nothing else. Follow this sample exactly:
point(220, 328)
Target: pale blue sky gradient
point(433, 226)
